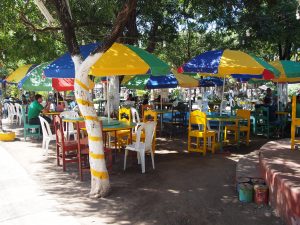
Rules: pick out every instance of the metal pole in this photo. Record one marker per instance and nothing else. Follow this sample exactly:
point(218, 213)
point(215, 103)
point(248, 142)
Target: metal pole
point(108, 102)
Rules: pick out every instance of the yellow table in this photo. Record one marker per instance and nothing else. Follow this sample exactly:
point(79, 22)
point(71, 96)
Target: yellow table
point(222, 120)
point(52, 113)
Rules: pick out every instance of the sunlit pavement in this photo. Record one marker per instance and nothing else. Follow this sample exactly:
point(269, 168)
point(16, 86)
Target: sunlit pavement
point(21, 199)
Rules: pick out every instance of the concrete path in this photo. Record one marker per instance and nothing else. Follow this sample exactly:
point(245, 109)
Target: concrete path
point(22, 201)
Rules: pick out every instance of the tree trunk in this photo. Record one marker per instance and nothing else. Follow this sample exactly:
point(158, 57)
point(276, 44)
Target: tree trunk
point(132, 31)
point(99, 177)
point(152, 37)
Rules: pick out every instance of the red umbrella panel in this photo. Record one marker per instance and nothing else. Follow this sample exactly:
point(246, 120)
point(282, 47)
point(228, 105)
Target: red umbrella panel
point(63, 84)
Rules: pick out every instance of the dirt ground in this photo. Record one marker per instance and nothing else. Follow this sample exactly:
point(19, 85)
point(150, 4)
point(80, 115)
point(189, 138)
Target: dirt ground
point(185, 188)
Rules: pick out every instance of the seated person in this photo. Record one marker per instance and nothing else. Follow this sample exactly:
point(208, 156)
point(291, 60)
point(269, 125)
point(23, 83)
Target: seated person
point(60, 107)
point(57, 98)
point(130, 98)
point(24, 100)
point(34, 110)
point(157, 99)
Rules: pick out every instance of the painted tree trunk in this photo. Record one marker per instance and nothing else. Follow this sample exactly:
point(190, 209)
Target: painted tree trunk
point(99, 176)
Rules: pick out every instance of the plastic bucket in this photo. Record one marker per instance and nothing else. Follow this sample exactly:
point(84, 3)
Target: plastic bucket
point(261, 194)
point(255, 181)
point(241, 180)
point(245, 192)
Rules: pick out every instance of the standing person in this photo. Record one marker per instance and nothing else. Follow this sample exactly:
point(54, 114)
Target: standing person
point(145, 100)
point(269, 97)
point(34, 110)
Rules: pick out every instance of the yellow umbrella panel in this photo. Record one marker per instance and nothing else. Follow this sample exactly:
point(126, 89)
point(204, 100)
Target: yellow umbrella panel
point(20, 73)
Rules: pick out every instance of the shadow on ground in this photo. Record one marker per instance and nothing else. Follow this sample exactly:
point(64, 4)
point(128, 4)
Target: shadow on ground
point(185, 188)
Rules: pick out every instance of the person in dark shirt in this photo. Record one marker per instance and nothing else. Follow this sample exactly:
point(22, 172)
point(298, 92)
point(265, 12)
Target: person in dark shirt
point(145, 100)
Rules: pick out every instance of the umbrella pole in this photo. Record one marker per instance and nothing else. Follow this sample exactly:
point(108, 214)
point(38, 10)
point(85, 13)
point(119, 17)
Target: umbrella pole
point(161, 100)
point(57, 98)
point(107, 100)
point(223, 89)
point(278, 96)
point(190, 100)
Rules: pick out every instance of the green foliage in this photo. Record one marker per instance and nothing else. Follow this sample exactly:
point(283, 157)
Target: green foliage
point(175, 30)
point(12, 91)
point(293, 89)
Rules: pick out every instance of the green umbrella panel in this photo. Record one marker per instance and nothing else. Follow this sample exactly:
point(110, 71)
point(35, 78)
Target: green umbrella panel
point(35, 80)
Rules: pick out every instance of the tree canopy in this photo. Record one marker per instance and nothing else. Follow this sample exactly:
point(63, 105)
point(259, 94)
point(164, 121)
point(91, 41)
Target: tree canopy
point(175, 30)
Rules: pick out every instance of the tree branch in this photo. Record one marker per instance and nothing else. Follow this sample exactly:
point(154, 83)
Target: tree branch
point(119, 24)
point(31, 26)
point(34, 28)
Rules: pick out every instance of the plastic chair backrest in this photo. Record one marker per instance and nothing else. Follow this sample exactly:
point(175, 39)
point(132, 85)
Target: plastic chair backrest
point(146, 107)
point(125, 114)
point(59, 131)
point(223, 106)
point(198, 118)
point(149, 128)
point(69, 114)
point(135, 115)
point(262, 115)
point(244, 114)
point(18, 108)
point(45, 127)
point(150, 115)
point(24, 118)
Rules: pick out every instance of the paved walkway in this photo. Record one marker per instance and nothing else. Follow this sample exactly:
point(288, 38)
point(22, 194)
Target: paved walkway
point(22, 201)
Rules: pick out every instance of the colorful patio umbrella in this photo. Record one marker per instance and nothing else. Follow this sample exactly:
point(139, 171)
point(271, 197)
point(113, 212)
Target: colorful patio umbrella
point(229, 62)
point(210, 82)
point(36, 81)
point(20, 73)
point(289, 71)
point(120, 59)
point(63, 84)
point(159, 82)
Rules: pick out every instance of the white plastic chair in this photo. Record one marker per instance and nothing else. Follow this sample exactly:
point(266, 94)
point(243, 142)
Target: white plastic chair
point(19, 113)
point(135, 115)
point(69, 127)
point(47, 134)
point(223, 106)
point(142, 147)
point(12, 113)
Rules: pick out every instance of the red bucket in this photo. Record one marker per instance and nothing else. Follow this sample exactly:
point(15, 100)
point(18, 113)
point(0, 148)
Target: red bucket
point(261, 194)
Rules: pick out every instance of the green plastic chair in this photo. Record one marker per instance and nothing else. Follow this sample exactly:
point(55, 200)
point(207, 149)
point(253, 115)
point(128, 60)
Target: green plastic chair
point(263, 126)
point(30, 130)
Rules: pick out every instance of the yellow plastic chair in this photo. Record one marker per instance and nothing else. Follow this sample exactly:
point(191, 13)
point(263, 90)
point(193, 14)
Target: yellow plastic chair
point(294, 124)
point(243, 114)
point(198, 119)
point(122, 136)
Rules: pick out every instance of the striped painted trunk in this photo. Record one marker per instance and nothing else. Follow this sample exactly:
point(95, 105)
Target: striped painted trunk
point(99, 176)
